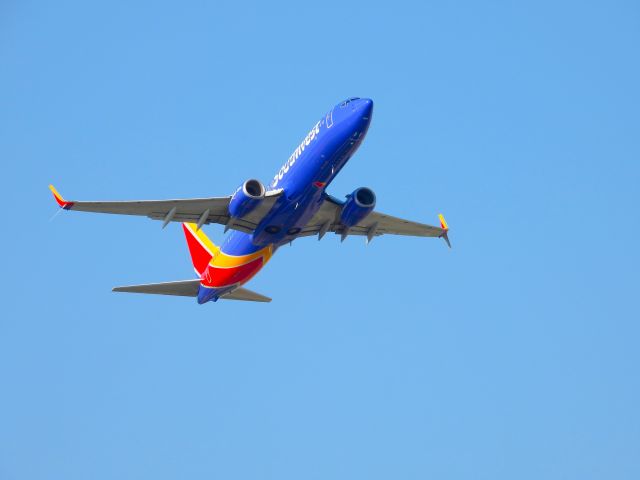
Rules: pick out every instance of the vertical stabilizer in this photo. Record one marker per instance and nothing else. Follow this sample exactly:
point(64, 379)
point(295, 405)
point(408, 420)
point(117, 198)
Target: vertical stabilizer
point(201, 248)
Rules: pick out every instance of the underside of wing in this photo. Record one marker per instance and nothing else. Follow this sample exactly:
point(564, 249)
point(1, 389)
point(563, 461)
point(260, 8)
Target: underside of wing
point(327, 219)
point(193, 210)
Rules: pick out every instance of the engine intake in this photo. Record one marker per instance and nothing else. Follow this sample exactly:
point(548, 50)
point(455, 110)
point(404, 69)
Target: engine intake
point(246, 198)
point(359, 204)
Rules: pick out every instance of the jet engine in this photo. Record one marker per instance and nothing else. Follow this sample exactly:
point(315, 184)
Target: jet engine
point(359, 204)
point(246, 198)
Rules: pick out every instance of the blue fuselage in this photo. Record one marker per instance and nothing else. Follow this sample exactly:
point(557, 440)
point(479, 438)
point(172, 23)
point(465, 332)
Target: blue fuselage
point(303, 179)
point(305, 176)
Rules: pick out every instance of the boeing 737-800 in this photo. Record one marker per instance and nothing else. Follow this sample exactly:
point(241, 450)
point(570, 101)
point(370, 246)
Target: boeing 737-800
point(263, 218)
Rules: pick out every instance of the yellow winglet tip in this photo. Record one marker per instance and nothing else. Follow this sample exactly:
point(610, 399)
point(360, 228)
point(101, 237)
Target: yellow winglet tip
point(443, 222)
point(61, 201)
point(445, 228)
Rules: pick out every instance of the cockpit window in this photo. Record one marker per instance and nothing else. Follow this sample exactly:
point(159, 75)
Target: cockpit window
point(348, 101)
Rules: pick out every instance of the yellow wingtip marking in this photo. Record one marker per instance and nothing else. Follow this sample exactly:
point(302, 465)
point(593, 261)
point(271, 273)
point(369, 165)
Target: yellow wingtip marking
point(443, 222)
point(55, 193)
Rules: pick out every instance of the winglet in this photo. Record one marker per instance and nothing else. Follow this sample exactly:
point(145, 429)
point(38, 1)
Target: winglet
point(443, 222)
point(445, 227)
point(61, 201)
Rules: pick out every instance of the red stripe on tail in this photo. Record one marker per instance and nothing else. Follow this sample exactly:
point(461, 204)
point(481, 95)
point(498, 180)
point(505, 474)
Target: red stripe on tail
point(200, 254)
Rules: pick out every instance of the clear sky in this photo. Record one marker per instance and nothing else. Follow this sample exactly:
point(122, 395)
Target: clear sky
point(513, 355)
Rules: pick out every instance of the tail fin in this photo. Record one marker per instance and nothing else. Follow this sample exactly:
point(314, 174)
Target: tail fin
point(201, 248)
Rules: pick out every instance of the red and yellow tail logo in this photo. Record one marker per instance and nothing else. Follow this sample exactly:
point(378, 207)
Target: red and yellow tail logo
point(201, 248)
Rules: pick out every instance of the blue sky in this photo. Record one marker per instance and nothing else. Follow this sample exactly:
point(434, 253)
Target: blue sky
point(514, 355)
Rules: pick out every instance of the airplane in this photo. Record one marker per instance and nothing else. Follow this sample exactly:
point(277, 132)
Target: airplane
point(262, 218)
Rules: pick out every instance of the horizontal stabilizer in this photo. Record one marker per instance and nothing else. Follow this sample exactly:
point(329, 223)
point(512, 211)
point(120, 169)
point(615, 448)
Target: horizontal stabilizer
point(182, 288)
point(189, 288)
point(245, 294)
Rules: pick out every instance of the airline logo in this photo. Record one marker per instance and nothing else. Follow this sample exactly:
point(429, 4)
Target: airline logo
point(294, 156)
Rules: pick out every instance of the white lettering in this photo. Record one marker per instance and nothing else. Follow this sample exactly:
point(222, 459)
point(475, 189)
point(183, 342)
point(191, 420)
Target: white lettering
point(296, 153)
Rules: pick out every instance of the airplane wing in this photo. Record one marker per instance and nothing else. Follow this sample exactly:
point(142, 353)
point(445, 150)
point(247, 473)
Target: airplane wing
point(194, 210)
point(189, 288)
point(327, 219)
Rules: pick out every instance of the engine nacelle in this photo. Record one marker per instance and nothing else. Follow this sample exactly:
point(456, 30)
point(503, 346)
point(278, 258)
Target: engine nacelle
point(246, 198)
point(359, 204)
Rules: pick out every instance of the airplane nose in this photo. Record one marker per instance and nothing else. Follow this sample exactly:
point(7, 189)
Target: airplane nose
point(365, 107)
